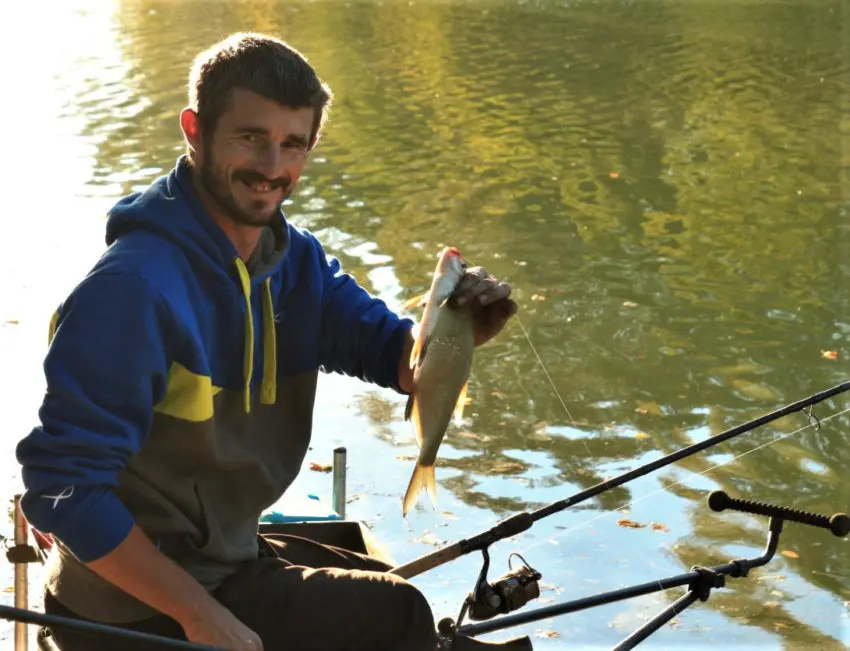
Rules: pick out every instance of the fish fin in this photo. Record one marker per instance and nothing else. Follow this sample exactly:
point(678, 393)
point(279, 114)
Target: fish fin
point(420, 347)
point(461, 402)
point(408, 408)
point(416, 301)
point(423, 477)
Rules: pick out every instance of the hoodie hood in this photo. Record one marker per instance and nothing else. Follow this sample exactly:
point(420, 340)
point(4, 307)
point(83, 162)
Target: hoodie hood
point(162, 209)
point(171, 209)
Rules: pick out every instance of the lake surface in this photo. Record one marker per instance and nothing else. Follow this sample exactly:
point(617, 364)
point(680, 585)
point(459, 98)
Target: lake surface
point(666, 184)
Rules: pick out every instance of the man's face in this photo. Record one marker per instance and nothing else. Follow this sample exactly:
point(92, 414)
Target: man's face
point(255, 157)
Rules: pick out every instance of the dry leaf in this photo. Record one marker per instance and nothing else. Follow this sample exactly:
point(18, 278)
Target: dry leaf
point(542, 633)
point(428, 538)
point(537, 297)
point(640, 436)
point(318, 467)
point(630, 524)
point(789, 554)
point(629, 304)
point(829, 354)
point(642, 411)
point(614, 175)
point(657, 526)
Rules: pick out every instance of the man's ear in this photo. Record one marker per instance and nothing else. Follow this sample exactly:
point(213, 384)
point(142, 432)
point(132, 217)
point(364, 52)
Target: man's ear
point(191, 128)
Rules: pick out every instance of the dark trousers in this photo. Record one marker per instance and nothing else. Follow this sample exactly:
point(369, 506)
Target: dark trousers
point(299, 596)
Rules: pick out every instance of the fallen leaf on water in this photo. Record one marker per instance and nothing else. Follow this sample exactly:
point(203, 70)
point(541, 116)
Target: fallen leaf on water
point(625, 522)
point(649, 408)
point(829, 354)
point(640, 436)
point(614, 175)
point(542, 633)
point(629, 304)
point(318, 467)
point(477, 437)
point(498, 394)
point(789, 554)
point(657, 526)
point(428, 538)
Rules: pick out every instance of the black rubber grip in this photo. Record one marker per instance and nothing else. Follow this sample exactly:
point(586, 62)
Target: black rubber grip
point(839, 524)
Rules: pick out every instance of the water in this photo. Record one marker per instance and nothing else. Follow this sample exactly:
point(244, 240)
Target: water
point(665, 185)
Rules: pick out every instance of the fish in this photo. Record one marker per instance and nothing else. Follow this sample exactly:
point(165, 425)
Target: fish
point(441, 360)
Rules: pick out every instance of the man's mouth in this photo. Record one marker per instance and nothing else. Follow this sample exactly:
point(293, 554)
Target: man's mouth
point(261, 187)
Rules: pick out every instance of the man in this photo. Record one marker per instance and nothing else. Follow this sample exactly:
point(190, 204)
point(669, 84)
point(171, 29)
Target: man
point(180, 384)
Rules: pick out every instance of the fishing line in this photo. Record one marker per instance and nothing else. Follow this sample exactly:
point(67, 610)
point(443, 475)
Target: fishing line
point(631, 503)
point(551, 381)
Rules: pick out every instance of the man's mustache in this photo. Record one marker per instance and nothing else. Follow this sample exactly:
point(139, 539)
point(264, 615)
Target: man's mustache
point(249, 176)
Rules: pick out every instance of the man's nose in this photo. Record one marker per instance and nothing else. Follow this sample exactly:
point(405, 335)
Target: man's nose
point(272, 164)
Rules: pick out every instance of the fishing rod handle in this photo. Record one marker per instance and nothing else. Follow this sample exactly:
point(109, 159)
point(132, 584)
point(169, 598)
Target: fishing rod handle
point(838, 524)
point(427, 562)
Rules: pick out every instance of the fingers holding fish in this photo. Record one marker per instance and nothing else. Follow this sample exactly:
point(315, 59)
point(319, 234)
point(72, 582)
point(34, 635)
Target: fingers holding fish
point(478, 286)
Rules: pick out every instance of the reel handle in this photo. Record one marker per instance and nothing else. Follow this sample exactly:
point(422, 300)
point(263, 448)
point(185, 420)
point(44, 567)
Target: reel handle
point(838, 524)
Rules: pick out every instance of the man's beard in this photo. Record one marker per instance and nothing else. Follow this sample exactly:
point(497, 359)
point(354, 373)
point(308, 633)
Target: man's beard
point(258, 212)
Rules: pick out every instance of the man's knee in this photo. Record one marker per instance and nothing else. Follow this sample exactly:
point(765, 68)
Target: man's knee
point(414, 617)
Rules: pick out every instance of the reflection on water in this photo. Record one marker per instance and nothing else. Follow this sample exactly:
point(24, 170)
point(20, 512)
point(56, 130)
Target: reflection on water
point(664, 183)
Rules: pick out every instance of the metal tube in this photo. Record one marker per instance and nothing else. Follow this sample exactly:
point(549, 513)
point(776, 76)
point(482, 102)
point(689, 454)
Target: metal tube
point(339, 481)
point(21, 592)
point(657, 622)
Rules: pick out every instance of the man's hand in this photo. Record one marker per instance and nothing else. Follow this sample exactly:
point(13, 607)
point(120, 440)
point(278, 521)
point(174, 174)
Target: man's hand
point(490, 299)
point(141, 570)
point(220, 628)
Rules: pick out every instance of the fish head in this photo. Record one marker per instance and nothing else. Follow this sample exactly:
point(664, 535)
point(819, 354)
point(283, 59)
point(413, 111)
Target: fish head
point(451, 267)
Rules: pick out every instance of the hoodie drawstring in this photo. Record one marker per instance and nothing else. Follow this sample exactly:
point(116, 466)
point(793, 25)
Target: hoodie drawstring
point(268, 389)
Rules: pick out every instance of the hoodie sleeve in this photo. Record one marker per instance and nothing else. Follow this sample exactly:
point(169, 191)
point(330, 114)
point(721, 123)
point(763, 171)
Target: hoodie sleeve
point(106, 367)
point(360, 335)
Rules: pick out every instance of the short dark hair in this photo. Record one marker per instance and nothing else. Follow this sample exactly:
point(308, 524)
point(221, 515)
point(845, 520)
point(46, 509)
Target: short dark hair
point(262, 64)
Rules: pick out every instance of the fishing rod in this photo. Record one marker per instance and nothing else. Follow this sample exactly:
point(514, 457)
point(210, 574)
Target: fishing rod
point(700, 580)
point(83, 626)
point(519, 586)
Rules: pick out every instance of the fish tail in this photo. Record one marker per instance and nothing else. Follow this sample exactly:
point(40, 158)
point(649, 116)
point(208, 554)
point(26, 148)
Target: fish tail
point(423, 477)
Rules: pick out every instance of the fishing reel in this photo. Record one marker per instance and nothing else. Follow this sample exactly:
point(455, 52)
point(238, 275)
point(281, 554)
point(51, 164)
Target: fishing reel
point(506, 594)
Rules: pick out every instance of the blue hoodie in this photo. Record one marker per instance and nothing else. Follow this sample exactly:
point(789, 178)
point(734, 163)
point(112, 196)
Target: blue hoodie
point(180, 389)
